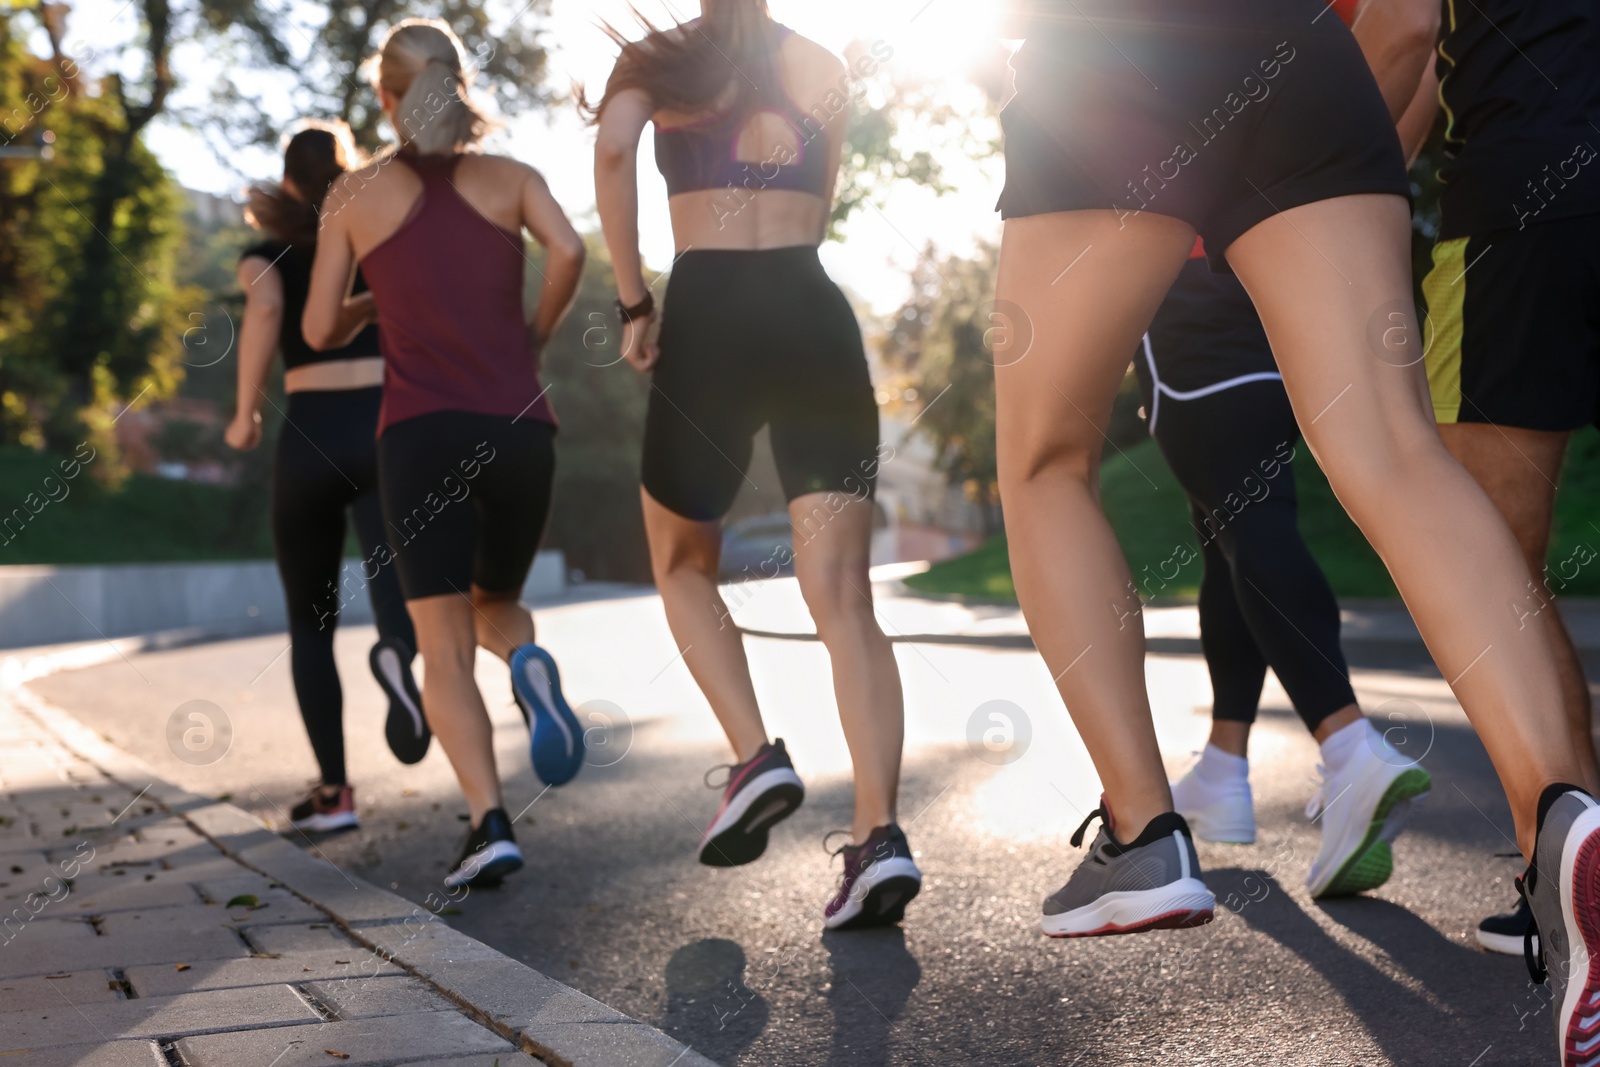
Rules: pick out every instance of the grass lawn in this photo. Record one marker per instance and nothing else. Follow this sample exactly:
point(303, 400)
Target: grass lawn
point(45, 518)
point(1150, 515)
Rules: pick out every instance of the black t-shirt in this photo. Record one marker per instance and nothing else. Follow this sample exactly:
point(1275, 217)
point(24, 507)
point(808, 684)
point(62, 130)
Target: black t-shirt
point(293, 263)
point(1520, 85)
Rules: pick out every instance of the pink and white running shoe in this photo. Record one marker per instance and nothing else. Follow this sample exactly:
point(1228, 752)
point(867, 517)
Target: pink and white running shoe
point(759, 793)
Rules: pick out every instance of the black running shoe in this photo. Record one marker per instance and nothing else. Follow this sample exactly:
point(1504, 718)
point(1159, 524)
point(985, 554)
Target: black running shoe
point(1504, 933)
point(880, 878)
point(489, 855)
point(406, 728)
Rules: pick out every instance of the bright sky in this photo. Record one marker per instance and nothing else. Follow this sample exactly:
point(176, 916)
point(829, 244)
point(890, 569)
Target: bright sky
point(937, 39)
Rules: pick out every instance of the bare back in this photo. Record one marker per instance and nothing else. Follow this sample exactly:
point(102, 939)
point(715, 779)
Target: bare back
point(754, 218)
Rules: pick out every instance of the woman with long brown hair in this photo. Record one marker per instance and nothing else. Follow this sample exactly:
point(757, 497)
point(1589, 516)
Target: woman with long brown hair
point(749, 125)
point(326, 465)
point(466, 435)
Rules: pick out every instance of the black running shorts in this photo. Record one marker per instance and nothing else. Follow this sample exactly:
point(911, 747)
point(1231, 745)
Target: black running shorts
point(752, 339)
point(1221, 113)
point(465, 498)
point(1514, 326)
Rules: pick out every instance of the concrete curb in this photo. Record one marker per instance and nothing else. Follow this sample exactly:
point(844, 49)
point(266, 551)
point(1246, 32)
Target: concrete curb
point(552, 1021)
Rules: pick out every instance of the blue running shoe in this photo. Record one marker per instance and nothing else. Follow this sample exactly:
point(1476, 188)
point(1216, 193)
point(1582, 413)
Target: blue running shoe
point(557, 739)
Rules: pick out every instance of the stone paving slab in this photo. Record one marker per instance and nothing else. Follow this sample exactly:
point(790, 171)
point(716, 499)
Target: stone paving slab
point(144, 944)
point(57, 991)
point(369, 998)
point(504, 1059)
point(52, 946)
point(160, 1017)
point(346, 962)
point(367, 1043)
point(99, 1054)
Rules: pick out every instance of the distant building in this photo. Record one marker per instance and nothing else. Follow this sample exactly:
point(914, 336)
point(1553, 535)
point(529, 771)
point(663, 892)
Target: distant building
point(214, 212)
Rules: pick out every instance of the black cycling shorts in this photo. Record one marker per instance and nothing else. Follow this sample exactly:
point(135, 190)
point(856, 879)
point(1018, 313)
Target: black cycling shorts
point(1221, 113)
point(752, 339)
point(465, 498)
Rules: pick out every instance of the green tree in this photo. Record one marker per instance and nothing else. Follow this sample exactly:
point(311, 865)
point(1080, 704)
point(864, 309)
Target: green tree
point(90, 313)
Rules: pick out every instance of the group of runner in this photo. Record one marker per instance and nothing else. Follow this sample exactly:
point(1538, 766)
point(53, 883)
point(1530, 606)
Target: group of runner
point(1253, 256)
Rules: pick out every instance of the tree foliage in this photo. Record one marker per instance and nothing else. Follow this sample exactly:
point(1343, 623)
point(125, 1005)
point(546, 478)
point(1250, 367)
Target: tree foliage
point(322, 54)
point(91, 315)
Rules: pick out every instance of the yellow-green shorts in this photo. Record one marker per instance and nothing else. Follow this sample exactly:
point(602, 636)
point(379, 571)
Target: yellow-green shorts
point(1514, 326)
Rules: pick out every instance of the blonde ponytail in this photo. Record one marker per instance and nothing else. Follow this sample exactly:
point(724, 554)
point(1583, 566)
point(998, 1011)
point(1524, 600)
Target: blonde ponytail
point(420, 63)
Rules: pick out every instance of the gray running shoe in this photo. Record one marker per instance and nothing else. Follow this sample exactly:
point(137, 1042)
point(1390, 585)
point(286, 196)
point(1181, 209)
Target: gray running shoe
point(1151, 883)
point(1562, 886)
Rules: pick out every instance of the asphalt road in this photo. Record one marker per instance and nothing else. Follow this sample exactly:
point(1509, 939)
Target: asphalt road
point(734, 963)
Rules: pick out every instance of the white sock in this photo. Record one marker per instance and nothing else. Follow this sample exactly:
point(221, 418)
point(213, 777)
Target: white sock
point(1343, 744)
point(1217, 767)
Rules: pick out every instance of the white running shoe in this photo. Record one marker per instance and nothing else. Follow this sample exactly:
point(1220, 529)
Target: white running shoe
point(1216, 810)
point(1363, 806)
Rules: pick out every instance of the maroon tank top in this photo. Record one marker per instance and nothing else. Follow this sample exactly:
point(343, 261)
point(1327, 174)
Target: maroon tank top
point(448, 285)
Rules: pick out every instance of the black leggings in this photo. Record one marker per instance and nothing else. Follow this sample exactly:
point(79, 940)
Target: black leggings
point(327, 463)
point(1263, 599)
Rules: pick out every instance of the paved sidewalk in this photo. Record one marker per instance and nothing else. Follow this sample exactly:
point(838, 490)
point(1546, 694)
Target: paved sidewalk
point(143, 925)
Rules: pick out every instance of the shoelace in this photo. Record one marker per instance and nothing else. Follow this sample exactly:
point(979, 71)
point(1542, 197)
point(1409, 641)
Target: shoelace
point(1535, 960)
point(835, 851)
point(1098, 813)
point(727, 769)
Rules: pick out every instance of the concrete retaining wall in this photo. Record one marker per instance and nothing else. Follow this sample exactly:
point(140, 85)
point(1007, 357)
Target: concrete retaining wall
point(42, 605)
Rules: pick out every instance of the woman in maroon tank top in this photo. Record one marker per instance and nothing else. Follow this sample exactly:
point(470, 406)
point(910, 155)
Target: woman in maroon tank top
point(465, 445)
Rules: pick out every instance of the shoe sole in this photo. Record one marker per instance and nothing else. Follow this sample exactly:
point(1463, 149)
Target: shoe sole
point(407, 732)
point(1204, 831)
point(1580, 911)
point(884, 904)
point(556, 744)
point(327, 824)
point(746, 839)
point(1176, 906)
point(1372, 861)
point(1504, 944)
point(499, 859)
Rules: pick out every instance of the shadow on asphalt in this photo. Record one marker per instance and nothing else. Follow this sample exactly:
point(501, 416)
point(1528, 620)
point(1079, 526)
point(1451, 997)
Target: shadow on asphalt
point(709, 975)
point(873, 976)
point(1403, 1022)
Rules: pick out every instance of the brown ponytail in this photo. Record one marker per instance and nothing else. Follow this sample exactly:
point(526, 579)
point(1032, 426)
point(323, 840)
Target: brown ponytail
point(313, 159)
point(691, 68)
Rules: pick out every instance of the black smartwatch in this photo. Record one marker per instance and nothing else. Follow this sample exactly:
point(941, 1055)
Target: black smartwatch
point(640, 310)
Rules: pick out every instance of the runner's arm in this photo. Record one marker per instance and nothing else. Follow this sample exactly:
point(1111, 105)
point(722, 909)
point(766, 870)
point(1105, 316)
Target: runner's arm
point(1398, 38)
point(1415, 125)
point(333, 317)
point(563, 256)
point(258, 339)
point(616, 186)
